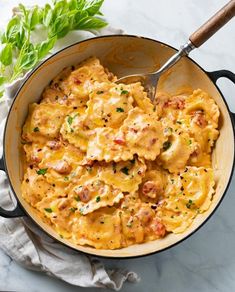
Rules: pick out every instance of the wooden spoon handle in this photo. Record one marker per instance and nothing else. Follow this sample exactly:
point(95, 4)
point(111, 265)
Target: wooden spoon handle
point(213, 24)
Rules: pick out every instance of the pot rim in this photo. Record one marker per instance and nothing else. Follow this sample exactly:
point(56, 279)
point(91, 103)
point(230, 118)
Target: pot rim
point(38, 224)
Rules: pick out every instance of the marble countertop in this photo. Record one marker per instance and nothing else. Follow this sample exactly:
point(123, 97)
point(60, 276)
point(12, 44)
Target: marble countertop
point(206, 261)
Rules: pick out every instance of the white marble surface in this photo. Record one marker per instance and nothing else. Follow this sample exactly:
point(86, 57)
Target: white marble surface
point(206, 261)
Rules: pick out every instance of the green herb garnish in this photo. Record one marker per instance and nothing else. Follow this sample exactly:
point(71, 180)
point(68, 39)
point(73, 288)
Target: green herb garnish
point(72, 209)
point(179, 122)
point(119, 110)
point(124, 91)
point(70, 120)
point(42, 171)
point(100, 92)
point(189, 204)
point(48, 210)
point(36, 129)
point(97, 199)
point(125, 170)
point(166, 145)
point(66, 178)
point(77, 199)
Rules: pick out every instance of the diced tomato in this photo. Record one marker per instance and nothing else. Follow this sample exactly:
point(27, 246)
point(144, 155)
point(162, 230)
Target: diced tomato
point(77, 81)
point(119, 141)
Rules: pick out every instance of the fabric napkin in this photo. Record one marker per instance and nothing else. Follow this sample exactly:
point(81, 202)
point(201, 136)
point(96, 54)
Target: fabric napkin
point(25, 243)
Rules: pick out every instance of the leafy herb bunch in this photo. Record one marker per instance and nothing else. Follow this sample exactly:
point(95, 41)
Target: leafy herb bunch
point(19, 53)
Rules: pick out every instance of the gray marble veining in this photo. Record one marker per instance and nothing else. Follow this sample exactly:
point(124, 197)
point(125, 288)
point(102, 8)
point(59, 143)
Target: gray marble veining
point(206, 261)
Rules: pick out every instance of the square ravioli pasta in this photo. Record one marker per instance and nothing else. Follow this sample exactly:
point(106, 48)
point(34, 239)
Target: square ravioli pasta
point(106, 168)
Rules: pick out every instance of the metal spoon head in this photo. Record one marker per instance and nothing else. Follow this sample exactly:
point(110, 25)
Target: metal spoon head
point(148, 81)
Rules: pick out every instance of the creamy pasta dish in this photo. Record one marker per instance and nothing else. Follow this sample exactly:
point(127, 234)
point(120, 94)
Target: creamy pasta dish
point(107, 168)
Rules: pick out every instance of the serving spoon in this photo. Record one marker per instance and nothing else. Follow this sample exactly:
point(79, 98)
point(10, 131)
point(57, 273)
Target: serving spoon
point(200, 36)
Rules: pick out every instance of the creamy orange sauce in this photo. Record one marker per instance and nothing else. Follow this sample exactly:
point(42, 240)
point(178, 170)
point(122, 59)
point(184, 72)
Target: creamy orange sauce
point(106, 168)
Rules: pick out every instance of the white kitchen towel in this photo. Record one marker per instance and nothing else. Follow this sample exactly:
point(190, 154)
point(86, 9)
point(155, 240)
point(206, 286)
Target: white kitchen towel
point(25, 243)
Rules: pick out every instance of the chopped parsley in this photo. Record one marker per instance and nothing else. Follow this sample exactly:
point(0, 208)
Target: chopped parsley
point(119, 110)
point(166, 145)
point(179, 122)
point(72, 209)
point(70, 120)
point(66, 178)
point(42, 171)
point(125, 170)
point(124, 92)
point(189, 142)
point(81, 210)
point(77, 199)
point(99, 92)
point(36, 129)
point(189, 204)
point(48, 210)
point(97, 199)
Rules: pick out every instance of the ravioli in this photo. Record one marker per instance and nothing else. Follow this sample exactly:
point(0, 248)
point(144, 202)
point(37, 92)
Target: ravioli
point(39, 126)
point(92, 193)
point(143, 134)
point(187, 195)
point(104, 167)
point(108, 106)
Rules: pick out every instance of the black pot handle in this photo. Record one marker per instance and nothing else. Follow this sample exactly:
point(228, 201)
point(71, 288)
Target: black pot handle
point(17, 212)
point(215, 75)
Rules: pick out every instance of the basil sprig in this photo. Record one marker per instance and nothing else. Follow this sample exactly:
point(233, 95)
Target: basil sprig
point(19, 54)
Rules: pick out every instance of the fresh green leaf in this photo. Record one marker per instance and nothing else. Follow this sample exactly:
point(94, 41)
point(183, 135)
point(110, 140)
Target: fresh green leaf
point(47, 15)
point(12, 29)
point(6, 55)
point(97, 199)
point(1, 93)
point(33, 18)
point(59, 25)
point(28, 61)
point(90, 23)
point(72, 4)
point(61, 7)
point(23, 9)
point(56, 19)
point(45, 47)
point(93, 7)
point(2, 80)
point(20, 37)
